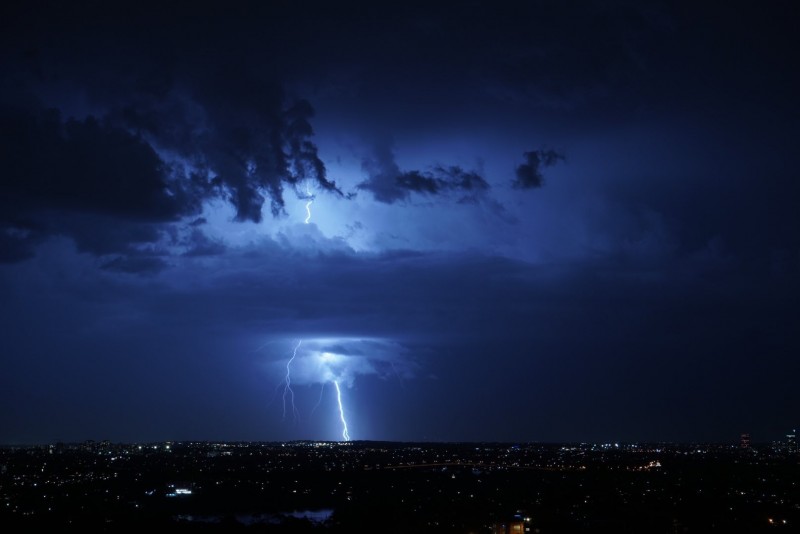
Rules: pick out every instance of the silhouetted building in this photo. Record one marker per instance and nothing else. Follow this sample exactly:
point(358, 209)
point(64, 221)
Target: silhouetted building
point(744, 441)
point(791, 441)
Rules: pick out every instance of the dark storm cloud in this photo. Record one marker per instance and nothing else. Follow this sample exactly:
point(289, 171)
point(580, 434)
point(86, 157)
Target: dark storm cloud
point(388, 183)
point(201, 245)
point(529, 174)
point(240, 133)
point(98, 183)
point(136, 264)
point(89, 167)
point(439, 179)
point(140, 131)
point(383, 171)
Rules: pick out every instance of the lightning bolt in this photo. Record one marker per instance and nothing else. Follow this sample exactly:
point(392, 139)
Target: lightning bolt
point(308, 204)
point(345, 434)
point(288, 392)
point(288, 387)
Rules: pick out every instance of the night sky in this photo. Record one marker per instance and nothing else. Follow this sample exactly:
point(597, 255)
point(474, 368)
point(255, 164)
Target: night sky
point(539, 221)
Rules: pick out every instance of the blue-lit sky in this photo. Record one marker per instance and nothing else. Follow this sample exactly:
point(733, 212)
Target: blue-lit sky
point(530, 221)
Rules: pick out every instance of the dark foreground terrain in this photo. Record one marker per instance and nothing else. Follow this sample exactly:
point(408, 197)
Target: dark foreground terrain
point(393, 487)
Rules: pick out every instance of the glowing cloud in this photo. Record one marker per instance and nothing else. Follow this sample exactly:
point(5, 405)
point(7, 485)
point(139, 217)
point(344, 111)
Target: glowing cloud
point(323, 360)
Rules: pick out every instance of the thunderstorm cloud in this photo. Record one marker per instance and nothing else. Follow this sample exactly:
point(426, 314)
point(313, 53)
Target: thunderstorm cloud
point(388, 183)
point(529, 174)
point(155, 171)
point(324, 360)
point(125, 154)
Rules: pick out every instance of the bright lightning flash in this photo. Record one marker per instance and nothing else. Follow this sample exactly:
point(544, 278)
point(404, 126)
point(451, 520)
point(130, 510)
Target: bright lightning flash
point(288, 387)
point(310, 198)
point(345, 434)
point(335, 361)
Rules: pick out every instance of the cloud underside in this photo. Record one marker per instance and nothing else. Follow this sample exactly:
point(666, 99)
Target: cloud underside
point(321, 361)
point(529, 174)
point(390, 185)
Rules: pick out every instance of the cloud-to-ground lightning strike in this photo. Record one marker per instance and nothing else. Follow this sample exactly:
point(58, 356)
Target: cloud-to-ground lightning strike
point(288, 387)
point(333, 361)
point(345, 434)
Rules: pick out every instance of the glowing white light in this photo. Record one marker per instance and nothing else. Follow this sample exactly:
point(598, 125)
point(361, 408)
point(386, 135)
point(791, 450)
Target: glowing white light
point(345, 434)
point(310, 198)
point(288, 387)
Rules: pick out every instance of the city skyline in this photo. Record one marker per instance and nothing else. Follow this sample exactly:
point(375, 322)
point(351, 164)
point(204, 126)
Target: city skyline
point(460, 222)
point(434, 487)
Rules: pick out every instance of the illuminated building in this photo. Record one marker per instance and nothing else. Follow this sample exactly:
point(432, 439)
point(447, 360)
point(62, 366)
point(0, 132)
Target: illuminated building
point(791, 441)
point(520, 524)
